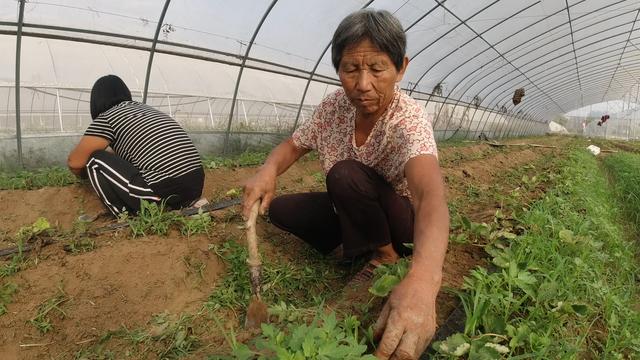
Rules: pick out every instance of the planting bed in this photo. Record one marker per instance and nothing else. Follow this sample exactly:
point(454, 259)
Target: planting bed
point(116, 295)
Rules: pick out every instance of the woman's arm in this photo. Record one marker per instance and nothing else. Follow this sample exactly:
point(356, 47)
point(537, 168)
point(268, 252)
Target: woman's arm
point(408, 321)
point(263, 184)
point(79, 156)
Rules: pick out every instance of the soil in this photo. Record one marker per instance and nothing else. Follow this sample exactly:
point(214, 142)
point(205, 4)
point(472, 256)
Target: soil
point(125, 280)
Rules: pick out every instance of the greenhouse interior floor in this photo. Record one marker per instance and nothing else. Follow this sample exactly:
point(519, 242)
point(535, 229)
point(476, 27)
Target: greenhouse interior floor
point(116, 295)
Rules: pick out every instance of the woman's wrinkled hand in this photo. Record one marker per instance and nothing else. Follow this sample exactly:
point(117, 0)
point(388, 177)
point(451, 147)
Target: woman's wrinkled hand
point(260, 186)
point(408, 320)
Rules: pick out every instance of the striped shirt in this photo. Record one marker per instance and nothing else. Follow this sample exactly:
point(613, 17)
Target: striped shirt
point(147, 138)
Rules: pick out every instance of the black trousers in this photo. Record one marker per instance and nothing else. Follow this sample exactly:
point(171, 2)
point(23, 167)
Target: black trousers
point(360, 210)
point(120, 185)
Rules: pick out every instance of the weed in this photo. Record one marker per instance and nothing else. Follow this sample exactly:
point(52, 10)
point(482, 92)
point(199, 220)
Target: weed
point(14, 265)
point(28, 180)
point(151, 219)
point(24, 235)
point(200, 223)
point(42, 320)
point(81, 245)
point(282, 280)
point(625, 170)
point(319, 177)
point(6, 295)
point(247, 158)
point(175, 337)
point(195, 267)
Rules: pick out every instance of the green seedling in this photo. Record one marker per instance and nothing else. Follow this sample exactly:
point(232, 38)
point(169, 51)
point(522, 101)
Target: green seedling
point(42, 319)
point(7, 290)
point(562, 266)
point(24, 235)
point(324, 338)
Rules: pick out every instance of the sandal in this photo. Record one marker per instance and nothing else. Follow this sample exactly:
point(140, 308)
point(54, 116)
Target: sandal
point(367, 273)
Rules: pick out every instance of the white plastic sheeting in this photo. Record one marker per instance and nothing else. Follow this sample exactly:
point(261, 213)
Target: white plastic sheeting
point(467, 58)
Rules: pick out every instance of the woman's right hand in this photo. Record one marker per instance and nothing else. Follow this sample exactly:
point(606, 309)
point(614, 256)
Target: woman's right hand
point(260, 186)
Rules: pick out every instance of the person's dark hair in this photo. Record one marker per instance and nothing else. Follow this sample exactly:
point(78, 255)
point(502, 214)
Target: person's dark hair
point(107, 92)
point(379, 26)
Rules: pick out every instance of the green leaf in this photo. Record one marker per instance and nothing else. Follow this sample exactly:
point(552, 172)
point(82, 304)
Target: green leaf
point(567, 236)
point(383, 286)
point(456, 345)
point(580, 309)
point(309, 347)
point(526, 278)
point(481, 352)
point(40, 225)
point(466, 222)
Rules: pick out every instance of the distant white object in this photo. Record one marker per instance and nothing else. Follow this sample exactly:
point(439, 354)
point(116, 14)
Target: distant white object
point(555, 128)
point(594, 149)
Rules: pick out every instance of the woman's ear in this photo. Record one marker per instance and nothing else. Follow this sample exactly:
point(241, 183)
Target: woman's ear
point(405, 63)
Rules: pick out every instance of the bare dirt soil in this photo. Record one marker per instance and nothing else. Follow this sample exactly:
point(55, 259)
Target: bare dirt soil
point(124, 281)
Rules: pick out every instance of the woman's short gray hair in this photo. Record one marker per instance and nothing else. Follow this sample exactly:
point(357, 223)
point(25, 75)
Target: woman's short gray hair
point(379, 26)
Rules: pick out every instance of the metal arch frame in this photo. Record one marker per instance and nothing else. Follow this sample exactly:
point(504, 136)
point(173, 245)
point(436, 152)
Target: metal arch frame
point(313, 71)
point(476, 70)
point(325, 79)
point(474, 38)
point(184, 55)
point(536, 102)
point(538, 47)
point(562, 87)
point(549, 52)
point(573, 45)
point(557, 72)
point(17, 81)
point(449, 54)
point(455, 50)
point(461, 81)
point(622, 54)
point(554, 68)
point(487, 49)
point(501, 55)
point(515, 78)
point(505, 83)
point(153, 50)
point(602, 80)
point(447, 33)
point(240, 71)
point(167, 52)
point(497, 88)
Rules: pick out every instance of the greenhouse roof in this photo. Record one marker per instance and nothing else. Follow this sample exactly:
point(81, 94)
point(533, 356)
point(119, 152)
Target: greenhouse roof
point(565, 54)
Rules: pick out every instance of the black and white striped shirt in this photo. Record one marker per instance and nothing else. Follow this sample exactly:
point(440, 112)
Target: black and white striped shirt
point(147, 138)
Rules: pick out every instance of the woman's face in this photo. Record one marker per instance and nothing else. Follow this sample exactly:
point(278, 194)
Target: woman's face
point(368, 77)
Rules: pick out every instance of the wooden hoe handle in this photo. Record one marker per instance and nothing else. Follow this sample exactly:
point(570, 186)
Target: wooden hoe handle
point(255, 265)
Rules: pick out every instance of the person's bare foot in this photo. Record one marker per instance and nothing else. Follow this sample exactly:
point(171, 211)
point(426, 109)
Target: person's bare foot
point(384, 255)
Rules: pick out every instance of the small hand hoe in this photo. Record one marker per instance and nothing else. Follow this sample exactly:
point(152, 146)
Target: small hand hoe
point(257, 311)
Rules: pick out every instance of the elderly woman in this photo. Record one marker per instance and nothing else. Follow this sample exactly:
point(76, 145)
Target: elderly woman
point(384, 187)
point(152, 157)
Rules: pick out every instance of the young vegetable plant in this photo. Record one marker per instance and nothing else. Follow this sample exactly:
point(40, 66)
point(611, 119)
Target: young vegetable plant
point(324, 338)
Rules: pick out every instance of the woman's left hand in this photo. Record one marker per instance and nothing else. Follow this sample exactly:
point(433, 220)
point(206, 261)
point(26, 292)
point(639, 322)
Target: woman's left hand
point(408, 320)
